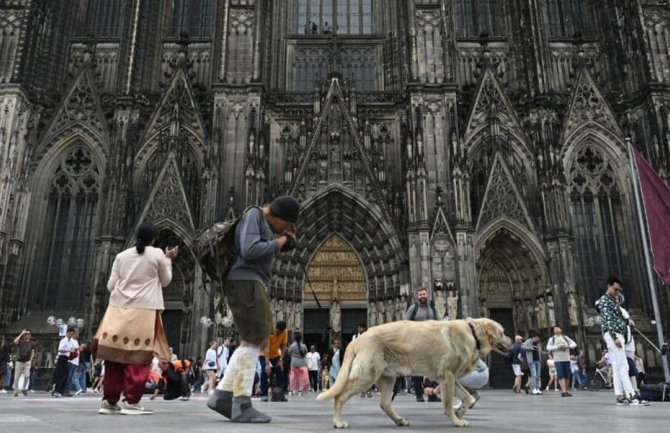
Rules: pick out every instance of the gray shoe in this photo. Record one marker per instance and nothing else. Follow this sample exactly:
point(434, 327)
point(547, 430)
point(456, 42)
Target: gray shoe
point(135, 409)
point(109, 409)
point(221, 402)
point(243, 412)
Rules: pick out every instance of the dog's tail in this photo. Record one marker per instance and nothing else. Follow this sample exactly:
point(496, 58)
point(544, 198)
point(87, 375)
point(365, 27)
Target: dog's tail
point(343, 375)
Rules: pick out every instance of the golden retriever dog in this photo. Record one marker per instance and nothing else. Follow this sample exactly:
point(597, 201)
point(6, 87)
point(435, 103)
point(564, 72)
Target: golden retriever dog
point(441, 350)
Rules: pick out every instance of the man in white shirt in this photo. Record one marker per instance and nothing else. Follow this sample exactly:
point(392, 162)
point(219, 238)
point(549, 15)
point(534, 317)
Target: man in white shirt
point(361, 329)
point(61, 370)
point(222, 354)
point(313, 362)
point(73, 365)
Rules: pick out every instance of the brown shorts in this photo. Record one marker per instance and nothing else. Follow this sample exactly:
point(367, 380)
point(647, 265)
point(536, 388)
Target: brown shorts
point(248, 301)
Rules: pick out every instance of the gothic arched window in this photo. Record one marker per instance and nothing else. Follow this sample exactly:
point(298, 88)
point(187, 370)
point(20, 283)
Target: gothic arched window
point(597, 221)
point(62, 269)
point(194, 17)
point(329, 16)
point(104, 18)
point(565, 18)
point(474, 17)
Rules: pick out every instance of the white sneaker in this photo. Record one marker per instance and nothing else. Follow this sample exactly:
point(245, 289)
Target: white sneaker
point(135, 409)
point(299, 393)
point(3, 391)
point(109, 409)
point(184, 398)
point(636, 402)
point(78, 392)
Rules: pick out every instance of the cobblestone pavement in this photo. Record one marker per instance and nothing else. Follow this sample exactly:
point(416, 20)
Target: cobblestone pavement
point(497, 411)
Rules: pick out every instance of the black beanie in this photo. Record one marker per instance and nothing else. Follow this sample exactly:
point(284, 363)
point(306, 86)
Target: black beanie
point(286, 208)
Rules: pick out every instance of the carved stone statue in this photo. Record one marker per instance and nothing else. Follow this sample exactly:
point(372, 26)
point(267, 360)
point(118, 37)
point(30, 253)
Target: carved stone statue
point(290, 316)
point(336, 317)
point(381, 317)
point(452, 305)
point(530, 314)
point(280, 310)
point(372, 315)
point(551, 311)
point(541, 313)
point(483, 311)
point(297, 317)
point(399, 310)
point(440, 303)
point(390, 311)
point(573, 309)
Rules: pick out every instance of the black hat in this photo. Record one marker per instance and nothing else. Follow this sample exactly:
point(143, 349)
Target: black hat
point(286, 208)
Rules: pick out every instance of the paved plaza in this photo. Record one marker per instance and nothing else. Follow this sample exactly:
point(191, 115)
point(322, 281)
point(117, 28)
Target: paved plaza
point(497, 411)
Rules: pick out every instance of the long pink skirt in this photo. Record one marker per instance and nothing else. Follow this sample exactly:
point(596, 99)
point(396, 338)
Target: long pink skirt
point(299, 379)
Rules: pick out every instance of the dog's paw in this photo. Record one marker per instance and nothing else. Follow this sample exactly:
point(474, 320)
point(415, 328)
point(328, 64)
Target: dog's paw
point(402, 422)
point(341, 424)
point(460, 411)
point(460, 423)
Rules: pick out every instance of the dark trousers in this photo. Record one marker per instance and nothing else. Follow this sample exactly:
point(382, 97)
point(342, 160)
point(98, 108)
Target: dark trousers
point(314, 379)
point(61, 374)
point(177, 386)
point(275, 373)
point(417, 384)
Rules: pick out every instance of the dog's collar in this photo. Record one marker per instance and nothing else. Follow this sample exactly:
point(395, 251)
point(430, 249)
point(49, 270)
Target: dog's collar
point(474, 334)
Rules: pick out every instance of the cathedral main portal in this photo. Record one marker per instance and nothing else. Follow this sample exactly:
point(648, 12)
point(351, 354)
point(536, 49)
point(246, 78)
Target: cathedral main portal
point(339, 282)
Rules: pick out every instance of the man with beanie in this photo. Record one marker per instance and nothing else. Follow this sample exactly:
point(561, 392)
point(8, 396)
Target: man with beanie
point(259, 236)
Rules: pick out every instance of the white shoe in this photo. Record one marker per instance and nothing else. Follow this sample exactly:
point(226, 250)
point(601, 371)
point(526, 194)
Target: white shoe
point(299, 393)
point(135, 409)
point(78, 392)
point(3, 391)
point(109, 409)
point(636, 402)
point(184, 398)
point(210, 392)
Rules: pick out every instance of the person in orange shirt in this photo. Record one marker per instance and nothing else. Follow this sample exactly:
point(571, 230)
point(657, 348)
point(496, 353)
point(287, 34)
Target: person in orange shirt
point(271, 360)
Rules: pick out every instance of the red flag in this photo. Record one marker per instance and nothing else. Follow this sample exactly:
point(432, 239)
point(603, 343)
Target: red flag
point(656, 198)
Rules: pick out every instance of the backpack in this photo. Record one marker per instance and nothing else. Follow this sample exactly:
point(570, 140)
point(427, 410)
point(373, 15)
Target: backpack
point(416, 306)
point(215, 248)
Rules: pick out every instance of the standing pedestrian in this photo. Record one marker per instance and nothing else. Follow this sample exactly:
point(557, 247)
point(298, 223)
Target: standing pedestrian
point(421, 310)
point(222, 357)
point(132, 330)
point(299, 377)
point(210, 368)
point(260, 234)
point(532, 347)
point(518, 356)
point(25, 352)
point(313, 362)
point(60, 375)
point(334, 361)
point(614, 328)
point(4, 363)
point(73, 366)
point(559, 345)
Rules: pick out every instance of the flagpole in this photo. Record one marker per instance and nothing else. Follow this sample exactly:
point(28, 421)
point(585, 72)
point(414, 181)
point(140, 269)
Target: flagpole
point(641, 216)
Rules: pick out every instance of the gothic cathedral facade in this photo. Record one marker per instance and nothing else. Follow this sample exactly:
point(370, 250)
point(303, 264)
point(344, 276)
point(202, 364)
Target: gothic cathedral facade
point(477, 148)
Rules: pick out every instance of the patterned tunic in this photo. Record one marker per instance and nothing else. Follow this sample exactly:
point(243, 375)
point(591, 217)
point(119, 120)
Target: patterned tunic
point(613, 321)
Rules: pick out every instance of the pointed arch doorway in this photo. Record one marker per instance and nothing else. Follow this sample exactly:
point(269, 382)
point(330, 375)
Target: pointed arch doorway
point(340, 284)
point(511, 277)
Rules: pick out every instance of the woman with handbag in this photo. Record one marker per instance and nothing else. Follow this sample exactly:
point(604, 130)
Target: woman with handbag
point(210, 368)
